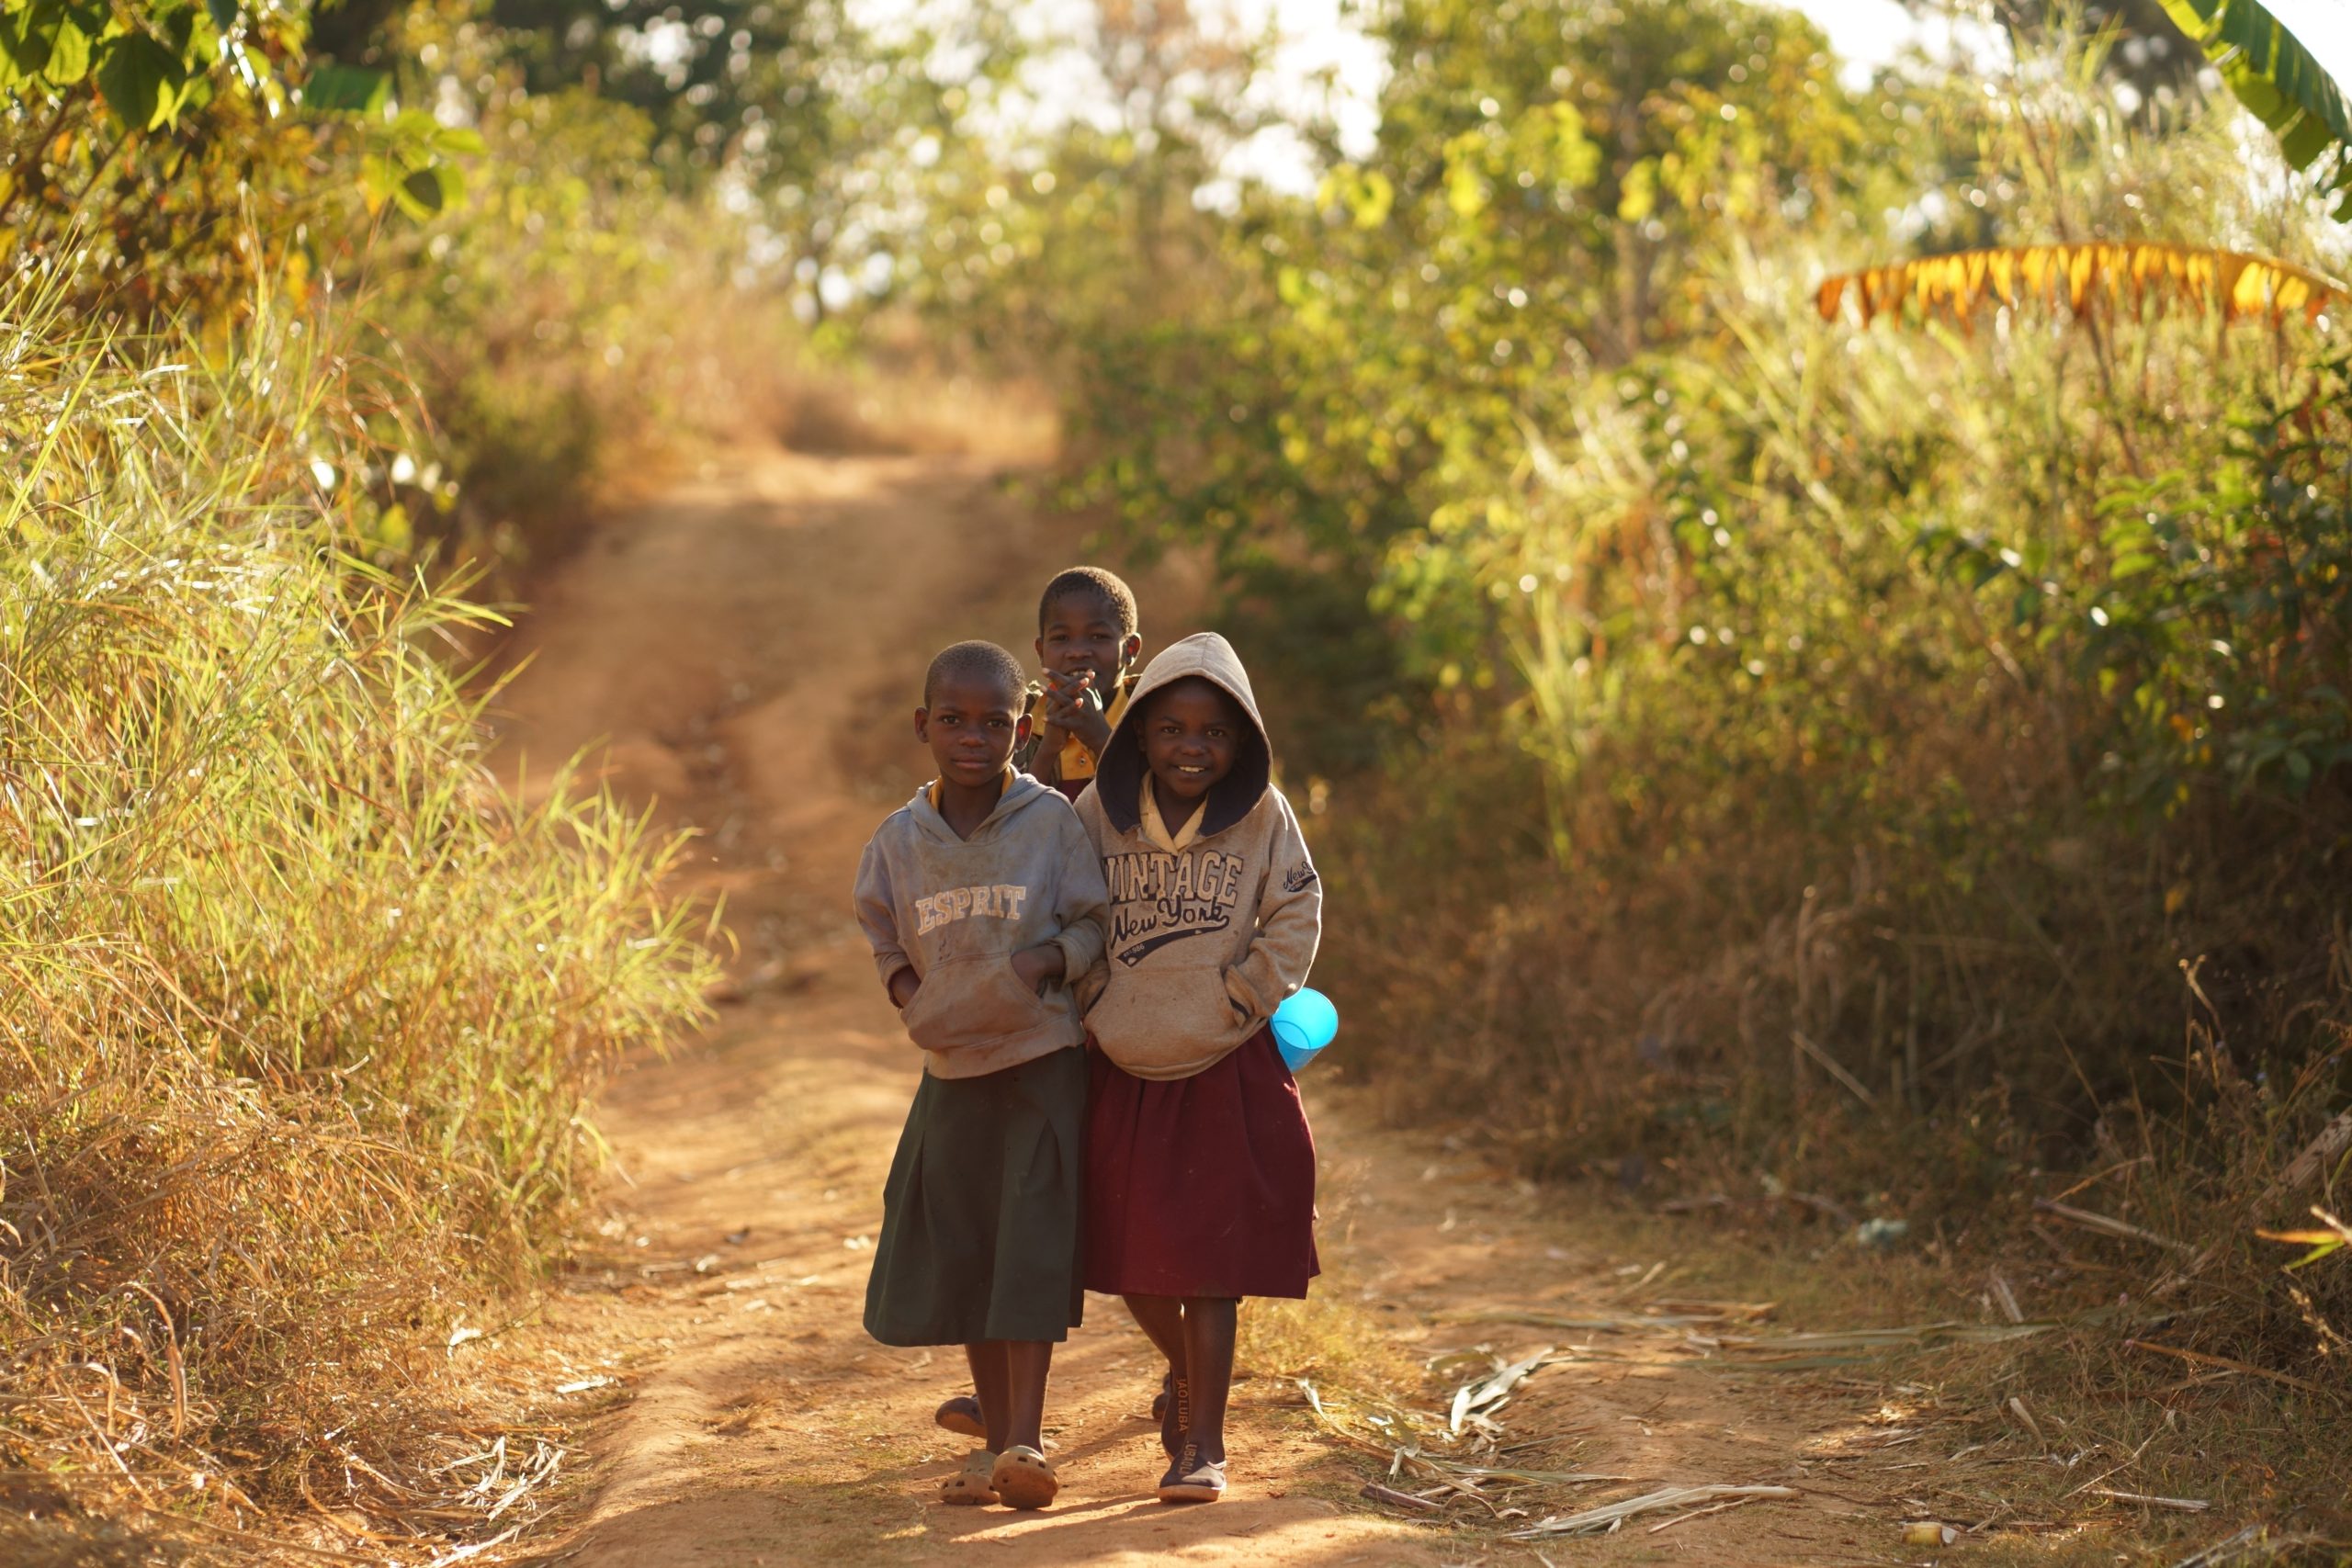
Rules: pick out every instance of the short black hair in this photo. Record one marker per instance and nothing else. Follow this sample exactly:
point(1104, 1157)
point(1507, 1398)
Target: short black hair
point(1115, 595)
point(982, 660)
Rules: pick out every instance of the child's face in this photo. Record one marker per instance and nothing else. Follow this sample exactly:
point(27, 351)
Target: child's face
point(1080, 633)
point(1191, 736)
point(971, 726)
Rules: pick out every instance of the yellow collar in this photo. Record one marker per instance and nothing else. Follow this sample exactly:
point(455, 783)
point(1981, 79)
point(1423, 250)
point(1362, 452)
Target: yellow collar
point(1155, 829)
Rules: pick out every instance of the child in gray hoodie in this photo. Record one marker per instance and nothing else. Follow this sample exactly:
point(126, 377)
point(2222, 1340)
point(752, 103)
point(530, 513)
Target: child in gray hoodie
point(984, 902)
point(1200, 1165)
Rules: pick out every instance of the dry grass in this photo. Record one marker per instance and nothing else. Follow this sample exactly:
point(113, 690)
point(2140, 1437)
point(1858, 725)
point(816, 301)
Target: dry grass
point(904, 395)
point(1638, 1035)
point(303, 1014)
point(1328, 1339)
point(2021, 1440)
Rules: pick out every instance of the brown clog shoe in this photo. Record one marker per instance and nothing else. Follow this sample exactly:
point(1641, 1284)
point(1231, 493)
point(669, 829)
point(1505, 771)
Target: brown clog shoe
point(969, 1487)
point(962, 1416)
point(1023, 1478)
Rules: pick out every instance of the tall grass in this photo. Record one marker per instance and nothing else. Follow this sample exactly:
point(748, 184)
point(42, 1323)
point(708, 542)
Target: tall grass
point(1898, 848)
point(1827, 774)
point(1829, 884)
point(297, 1012)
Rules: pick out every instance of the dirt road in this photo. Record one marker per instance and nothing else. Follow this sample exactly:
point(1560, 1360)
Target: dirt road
point(750, 648)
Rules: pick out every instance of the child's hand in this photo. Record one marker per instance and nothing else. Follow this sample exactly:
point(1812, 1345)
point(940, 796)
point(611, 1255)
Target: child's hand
point(1037, 965)
point(1065, 695)
point(1056, 691)
point(903, 986)
point(1075, 707)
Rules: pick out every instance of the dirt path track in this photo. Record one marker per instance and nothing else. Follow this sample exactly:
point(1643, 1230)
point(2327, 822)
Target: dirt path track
point(749, 648)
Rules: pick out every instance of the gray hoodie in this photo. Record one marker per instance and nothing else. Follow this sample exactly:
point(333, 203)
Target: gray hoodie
point(956, 910)
point(1208, 937)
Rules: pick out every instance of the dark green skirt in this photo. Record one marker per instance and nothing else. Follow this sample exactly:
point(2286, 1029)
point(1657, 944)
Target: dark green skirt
point(980, 1216)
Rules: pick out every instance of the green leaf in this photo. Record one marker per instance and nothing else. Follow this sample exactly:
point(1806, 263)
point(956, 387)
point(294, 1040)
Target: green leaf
point(426, 191)
point(1371, 197)
point(1638, 196)
point(140, 80)
point(69, 56)
point(2326, 1248)
point(177, 24)
point(2275, 76)
point(408, 139)
point(27, 37)
point(378, 180)
point(332, 88)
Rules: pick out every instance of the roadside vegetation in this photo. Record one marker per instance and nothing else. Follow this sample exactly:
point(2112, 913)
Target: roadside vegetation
point(303, 1013)
point(1867, 764)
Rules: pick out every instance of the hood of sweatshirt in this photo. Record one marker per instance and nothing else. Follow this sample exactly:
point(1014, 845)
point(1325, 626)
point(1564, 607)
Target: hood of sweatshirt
point(1020, 794)
point(1118, 779)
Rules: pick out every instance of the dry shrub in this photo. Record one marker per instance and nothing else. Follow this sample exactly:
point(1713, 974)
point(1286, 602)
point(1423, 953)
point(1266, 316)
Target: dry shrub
point(2070, 1030)
point(300, 1014)
point(2070, 1013)
point(569, 327)
point(1953, 824)
point(2057, 1033)
point(588, 332)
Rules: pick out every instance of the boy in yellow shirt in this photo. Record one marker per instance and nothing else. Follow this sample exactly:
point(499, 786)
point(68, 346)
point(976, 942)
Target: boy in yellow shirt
point(1088, 644)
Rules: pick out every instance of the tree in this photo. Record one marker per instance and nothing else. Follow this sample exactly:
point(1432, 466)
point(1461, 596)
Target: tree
point(725, 83)
point(165, 153)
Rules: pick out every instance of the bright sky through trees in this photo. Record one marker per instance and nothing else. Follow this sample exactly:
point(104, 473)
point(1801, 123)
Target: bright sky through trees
point(1867, 34)
point(1870, 33)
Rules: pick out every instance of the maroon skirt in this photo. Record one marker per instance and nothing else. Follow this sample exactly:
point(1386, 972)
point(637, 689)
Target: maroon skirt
point(1202, 1186)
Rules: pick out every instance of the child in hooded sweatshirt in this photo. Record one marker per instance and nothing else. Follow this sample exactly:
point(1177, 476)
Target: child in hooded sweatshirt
point(1200, 1186)
point(983, 899)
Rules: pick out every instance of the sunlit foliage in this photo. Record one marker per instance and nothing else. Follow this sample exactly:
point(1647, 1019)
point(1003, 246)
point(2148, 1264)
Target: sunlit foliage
point(1726, 674)
point(166, 155)
point(2280, 81)
point(301, 1010)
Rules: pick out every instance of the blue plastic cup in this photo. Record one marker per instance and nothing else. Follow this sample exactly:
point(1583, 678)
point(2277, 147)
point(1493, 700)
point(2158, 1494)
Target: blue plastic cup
point(1303, 1025)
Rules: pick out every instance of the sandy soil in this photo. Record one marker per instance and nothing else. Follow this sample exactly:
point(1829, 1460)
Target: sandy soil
point(746, 654)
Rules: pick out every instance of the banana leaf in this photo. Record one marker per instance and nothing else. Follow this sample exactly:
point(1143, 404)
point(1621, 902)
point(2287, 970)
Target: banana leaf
point(2279, 80)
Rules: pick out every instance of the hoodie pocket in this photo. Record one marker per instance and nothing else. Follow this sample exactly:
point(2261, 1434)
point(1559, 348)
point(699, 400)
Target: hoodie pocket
point(1161, 1015)
point(1242, 1011)
point(972, 1001)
